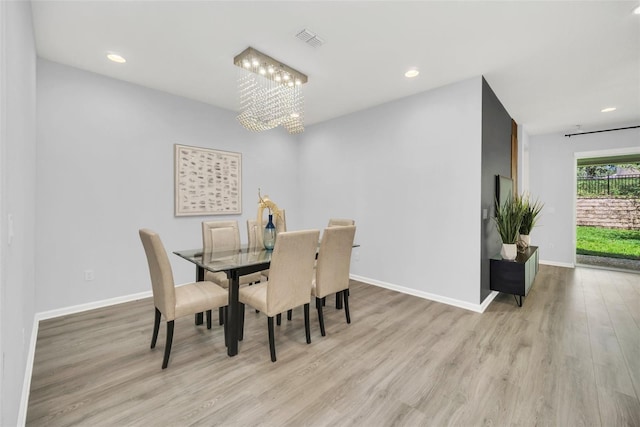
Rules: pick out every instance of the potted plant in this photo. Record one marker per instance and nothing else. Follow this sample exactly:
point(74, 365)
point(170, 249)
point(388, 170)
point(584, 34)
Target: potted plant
point(508, 218)
point(530, 212)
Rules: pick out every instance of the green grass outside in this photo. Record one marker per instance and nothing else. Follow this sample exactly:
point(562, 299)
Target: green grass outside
point(608, 243)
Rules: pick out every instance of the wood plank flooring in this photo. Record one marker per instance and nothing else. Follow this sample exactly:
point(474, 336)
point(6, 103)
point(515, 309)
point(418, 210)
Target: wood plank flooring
point(570, 356)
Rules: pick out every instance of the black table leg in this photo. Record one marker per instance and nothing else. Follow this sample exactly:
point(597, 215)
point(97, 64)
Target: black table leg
point(199, 278)
point(233, 317)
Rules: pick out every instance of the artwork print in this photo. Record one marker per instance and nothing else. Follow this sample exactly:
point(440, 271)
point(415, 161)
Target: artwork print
point(207, 182)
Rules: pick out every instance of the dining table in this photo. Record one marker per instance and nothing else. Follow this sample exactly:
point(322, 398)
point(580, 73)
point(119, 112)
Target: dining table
point(234, 263)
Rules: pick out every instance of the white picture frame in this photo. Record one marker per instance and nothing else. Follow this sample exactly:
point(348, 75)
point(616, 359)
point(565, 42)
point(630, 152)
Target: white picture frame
point(207, 181)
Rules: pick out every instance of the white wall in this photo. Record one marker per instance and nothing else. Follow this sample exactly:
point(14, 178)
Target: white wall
point(552, 161)
point(17, 198)
point(408, 172)
point(105, 169)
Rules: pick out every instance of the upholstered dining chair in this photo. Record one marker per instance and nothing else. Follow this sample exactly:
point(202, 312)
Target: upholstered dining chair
point(223, 235)
point(289, 284)
point(332, 269)
point(256, 240)
point(256, 236)
point(173, 302)
point(337, 222)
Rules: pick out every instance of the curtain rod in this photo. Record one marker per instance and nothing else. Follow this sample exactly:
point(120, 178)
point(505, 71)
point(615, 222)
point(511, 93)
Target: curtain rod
point(569, 135)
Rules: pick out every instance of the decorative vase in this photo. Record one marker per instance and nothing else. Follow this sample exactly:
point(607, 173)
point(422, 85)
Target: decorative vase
point(269, 236)
point(509, 251)
point(525, 239)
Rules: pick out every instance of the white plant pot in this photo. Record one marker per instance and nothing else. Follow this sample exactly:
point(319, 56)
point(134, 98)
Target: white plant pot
point(509, 251)
point(525, 239)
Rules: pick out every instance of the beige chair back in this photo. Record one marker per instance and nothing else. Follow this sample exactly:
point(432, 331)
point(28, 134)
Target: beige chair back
point(337, 222)
point(291, 270)
point(254, 234)
point(220, 235)
point(162, 283)
point(334, 260)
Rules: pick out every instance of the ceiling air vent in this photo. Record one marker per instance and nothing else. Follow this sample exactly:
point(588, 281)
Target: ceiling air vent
point(310, 38)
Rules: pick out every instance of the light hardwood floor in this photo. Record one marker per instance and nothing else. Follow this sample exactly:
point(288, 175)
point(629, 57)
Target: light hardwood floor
point(570, 356)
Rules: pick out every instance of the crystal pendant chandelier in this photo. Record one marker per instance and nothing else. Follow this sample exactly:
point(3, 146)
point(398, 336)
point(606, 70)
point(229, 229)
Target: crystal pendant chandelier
point(270, 93)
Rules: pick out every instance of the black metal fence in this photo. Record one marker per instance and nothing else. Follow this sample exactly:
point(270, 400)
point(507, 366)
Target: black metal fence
point(623, 185)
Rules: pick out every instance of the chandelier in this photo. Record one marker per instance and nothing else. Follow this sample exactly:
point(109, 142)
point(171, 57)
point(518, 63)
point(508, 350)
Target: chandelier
point(270, 93)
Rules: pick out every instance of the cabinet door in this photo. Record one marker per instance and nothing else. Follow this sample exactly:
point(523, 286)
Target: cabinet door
point(529, 274)
point(531, 269)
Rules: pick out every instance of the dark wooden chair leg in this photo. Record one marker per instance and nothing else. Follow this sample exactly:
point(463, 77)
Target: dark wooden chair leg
point(167, 347)
point(307, 328)
point(156, 328)
point(339, 300)
point(198, 318)
point(324, 301)
point(320, 315)
point(345, 296)
point(241, 323)
point(289, 314)
point(220, 315)
point(272, 342)
point(208, 319)
point(279, 319)
point(225, 313)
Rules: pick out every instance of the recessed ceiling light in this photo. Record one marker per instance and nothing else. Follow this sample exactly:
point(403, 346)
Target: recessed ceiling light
point(412, 73)
point(116, 58)
point(637, 10)
point(608, 109)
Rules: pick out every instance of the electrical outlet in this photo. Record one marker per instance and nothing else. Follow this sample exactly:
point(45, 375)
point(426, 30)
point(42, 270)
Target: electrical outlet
point(88, 275)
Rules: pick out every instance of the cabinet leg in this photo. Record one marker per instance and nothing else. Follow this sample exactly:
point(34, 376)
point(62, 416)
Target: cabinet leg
point(519, 302)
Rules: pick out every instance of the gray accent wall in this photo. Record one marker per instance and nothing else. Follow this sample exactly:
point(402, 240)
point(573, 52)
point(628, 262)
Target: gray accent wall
point(17, 199)
point(496, 160)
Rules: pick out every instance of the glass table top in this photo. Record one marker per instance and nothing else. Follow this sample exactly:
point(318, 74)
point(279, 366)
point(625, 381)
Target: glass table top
point(226, 260)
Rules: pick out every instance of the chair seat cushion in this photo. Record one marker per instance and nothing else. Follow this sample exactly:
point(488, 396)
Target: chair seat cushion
point(256, 297)
point(198, 297)
point(220, 278)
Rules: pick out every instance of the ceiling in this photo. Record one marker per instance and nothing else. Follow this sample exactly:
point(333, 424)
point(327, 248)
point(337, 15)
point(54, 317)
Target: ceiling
point(553, 64)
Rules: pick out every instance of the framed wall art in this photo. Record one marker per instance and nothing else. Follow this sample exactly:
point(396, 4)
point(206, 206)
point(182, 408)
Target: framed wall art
point(207, 182)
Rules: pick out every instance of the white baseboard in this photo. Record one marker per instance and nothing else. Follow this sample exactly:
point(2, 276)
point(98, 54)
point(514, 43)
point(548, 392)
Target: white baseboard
point(91, 306)
point(488, 300)
point(26, 384)
point(557, 264)
point(478, 308)
point(26, 387)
